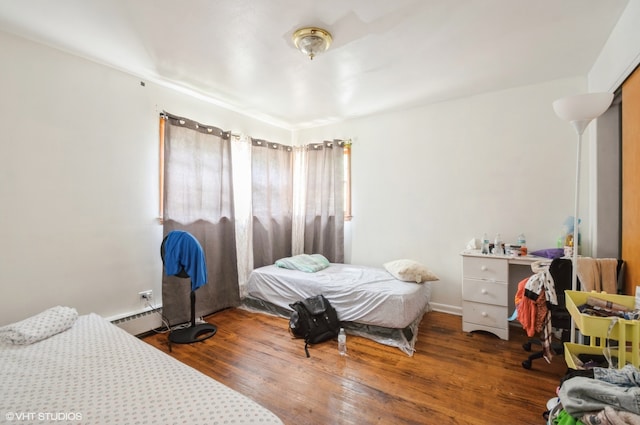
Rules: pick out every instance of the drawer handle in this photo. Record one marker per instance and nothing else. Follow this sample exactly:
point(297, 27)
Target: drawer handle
point(484, 314)
point(484, 268)
point(484, 292)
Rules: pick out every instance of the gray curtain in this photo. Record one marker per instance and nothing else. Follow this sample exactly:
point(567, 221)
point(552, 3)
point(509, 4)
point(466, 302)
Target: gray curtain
point(198, 198)
point(272, 201)
point(324, 203)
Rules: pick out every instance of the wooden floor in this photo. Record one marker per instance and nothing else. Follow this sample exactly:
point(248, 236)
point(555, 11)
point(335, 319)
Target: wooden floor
point(453, 378)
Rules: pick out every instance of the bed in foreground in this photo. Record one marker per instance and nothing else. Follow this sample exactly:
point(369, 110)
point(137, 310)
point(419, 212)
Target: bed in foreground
point(96, 373)
point(370, 301)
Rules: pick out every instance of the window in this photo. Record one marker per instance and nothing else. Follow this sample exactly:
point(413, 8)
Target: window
point(347, 175)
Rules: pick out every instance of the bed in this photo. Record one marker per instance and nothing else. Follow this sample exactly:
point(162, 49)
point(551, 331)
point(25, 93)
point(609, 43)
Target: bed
point(96, 373)
point(370, 301)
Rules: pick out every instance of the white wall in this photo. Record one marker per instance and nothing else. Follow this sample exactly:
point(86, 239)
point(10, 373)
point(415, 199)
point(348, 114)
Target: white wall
point(620, 55)
point(617, 60)
point(78, 175)
point(79, 180)
point(499, 162)
point(429, 179)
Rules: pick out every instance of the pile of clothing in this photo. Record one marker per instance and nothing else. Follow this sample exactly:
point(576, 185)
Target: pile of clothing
point(598, 396)
point(534, 296)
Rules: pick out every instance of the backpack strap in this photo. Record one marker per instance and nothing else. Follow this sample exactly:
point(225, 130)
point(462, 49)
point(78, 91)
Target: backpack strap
point(306, 349)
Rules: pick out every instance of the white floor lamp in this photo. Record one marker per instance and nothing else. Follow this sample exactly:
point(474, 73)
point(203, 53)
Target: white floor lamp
point(580, 110)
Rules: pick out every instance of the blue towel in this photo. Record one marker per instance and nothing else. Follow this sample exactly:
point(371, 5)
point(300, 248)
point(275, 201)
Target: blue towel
point(182, 250)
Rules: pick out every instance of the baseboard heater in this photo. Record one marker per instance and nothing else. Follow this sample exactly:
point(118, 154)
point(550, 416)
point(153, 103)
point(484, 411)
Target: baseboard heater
point(139, 323)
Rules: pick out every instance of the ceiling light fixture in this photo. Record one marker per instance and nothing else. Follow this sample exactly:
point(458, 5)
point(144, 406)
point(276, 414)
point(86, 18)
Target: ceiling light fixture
point(312, 40)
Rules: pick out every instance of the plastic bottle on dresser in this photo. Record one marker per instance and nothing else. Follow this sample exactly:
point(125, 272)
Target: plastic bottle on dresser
point(568, 245)
point(523, 244)
point(342, 342)
point(497, 248)
point(485, 244)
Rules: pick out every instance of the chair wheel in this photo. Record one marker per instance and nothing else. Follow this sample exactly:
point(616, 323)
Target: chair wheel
point(526, 364)
point(526, 346)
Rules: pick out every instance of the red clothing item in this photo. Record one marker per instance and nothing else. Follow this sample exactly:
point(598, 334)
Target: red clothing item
point(531, 314)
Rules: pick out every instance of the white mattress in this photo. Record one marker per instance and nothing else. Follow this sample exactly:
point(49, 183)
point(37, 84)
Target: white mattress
point(96, 373)
point(361, 294)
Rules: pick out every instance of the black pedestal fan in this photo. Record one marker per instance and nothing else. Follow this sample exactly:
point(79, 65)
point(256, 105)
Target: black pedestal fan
point(185, 257)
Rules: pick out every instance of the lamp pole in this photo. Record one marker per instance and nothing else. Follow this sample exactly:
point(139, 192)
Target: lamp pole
point(576, 221)
point(580, 110)
point(576, 234)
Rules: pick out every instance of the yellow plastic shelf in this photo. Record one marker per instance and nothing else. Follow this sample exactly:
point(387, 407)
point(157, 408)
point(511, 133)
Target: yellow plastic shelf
point(626, 332)
point(571, 352)
point(597, 326)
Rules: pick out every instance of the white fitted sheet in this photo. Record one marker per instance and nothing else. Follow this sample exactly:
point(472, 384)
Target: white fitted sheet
point(100, 372)
point(361, 294)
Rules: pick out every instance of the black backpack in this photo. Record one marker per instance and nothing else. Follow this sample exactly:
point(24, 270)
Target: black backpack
point(315, 320)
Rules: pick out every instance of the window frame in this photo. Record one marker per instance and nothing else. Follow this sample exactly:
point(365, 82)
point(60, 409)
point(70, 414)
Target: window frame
point(161, 170)
point(347, 181)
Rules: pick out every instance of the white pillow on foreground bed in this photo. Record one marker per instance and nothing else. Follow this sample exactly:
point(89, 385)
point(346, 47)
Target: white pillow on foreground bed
point(410, 271)
point(41, 326)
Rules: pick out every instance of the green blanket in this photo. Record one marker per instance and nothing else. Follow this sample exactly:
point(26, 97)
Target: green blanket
point(304, 262)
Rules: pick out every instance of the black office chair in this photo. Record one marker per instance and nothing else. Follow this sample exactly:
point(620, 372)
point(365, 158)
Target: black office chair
point(187, 244)
point(561, 271)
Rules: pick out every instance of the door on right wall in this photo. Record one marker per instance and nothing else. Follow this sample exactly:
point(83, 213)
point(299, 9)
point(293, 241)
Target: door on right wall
point(630, 237)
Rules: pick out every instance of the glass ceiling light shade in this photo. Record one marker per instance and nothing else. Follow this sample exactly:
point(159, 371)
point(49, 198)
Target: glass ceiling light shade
point(312, 40)
point(580, 109)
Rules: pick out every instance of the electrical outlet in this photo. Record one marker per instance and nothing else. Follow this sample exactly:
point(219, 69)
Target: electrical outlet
point(146, 295)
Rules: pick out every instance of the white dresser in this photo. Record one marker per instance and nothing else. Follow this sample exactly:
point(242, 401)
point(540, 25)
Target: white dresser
point(489, 285)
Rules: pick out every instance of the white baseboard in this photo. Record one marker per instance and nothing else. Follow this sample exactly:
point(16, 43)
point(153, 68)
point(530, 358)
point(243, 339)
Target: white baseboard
point(137, 323)
point(445, 308)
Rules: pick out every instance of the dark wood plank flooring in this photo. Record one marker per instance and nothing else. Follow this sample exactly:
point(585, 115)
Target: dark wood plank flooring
point(453, 378)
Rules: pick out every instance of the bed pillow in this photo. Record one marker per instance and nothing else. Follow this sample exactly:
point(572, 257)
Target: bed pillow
point(41, 326)
point(304, 263)
point(410, 271)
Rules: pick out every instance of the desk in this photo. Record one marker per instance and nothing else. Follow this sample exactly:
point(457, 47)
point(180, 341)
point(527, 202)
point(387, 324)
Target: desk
point(489, 286)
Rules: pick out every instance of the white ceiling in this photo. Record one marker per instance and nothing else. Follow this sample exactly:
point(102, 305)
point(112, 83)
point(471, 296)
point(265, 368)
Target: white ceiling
point(386, 55)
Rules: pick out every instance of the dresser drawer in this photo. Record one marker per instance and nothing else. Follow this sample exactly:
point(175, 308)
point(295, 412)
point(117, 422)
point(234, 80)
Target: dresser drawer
point(487, 268)
point(485, 291)
point(485, 314)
